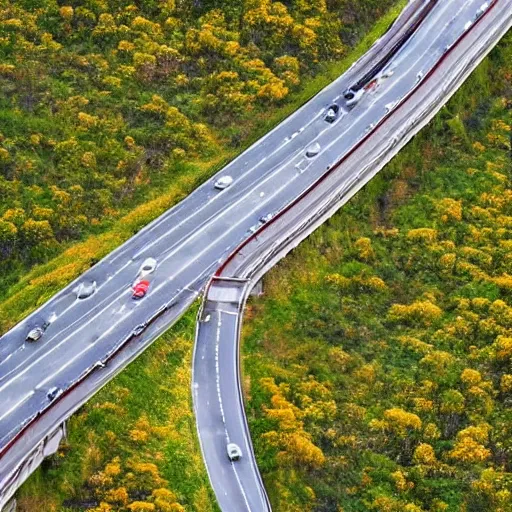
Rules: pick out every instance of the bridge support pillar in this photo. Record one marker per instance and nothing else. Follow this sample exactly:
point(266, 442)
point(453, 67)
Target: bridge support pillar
point(12, 480)
point(257, 291)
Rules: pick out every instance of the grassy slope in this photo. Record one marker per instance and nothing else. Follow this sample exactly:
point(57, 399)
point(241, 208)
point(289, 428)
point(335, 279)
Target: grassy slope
point(43, 281)
point(328, 354)
point(156, 385)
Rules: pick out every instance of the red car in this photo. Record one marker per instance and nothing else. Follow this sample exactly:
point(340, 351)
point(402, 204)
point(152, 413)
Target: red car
point(140, 289)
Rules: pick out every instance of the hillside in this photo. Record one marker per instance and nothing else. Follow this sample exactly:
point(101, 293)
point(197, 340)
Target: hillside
point(106, 104)
point(378, 362)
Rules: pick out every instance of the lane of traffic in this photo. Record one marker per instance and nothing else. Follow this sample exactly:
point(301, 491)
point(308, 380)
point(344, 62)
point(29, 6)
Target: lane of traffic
point(221, 231)
point(341, 185)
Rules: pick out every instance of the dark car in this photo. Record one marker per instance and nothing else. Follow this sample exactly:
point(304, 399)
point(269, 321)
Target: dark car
point(53, 393)
point(332, 113)
point(37, 332)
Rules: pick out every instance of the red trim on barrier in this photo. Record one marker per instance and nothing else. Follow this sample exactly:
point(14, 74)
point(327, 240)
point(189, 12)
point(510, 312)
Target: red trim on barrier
point(92, 369)
point(354, 148)
point(16, 438)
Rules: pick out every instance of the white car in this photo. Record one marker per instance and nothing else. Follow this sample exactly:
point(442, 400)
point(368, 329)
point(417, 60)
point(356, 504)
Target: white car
point(234, 452)
point(353, 97)
point(223, 182)
point(147, 267)
point(86, 289)
point(313, 150)
point(265, 218)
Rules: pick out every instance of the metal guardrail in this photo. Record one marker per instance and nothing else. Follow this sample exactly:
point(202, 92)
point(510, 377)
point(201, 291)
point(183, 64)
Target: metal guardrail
point(117, 359)
point(90, 381)
point(265, 257)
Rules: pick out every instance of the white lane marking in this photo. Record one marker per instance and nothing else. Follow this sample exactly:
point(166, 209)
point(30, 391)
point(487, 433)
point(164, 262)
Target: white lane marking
point(28, 367)
point(186, 266)
point(228, 312)
point(259, 163)
point(44, 347)
point(241, 418)
point(198, 232)
point(216, 196)
point(241, 487)
point(16, 405)
point(271, 176)
point(217, 372)
point(320, 98)
point(276, 192)
point(219, 395)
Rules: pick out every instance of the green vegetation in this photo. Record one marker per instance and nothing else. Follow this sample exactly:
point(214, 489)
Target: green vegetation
point(377, 365)
point(378, 362)
point(137, 436)
point(105, 104)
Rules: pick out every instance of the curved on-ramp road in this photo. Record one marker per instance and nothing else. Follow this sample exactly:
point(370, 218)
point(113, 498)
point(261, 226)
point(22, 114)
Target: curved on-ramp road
point(458, 46)
point(89, 340)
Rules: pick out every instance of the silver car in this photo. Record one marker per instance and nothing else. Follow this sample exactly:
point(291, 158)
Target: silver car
point(223, 182)
point(37, 332)
point(234, 452)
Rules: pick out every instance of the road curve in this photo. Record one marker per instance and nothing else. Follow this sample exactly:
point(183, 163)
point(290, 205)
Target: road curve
point(89, 340)
point(218, 399)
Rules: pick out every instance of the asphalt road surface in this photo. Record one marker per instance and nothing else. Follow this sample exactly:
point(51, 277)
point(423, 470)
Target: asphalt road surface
point(216, 387)
point(188, 243)
point(218, 408)
point(89, 340)
point(191, 240)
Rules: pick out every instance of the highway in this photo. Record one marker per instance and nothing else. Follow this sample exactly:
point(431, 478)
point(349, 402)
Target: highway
point(216, 387)
point(188, 243)
point(89, 340)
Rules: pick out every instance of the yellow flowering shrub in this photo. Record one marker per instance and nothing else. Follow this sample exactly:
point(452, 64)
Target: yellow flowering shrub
point(506, 383)
point(422, 235)
point(424, 454)
point(503, 348)
point(66, 11)
point(141, 506)
point(467, 450)
point(470, 377)
point(450, 210)
point(421, 312)
point(364, 248)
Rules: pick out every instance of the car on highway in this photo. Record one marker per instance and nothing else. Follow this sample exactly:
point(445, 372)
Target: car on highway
point(234, 452)
point(85, 289)
point(265, 218)
point(37, 332)
point(139, 329)
point(313, 150)
point(140, 289)
point(353, 97)
point(53, 393)
point(223, 182)
point(332, 113)
point(147, 267)
point(253, 229)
